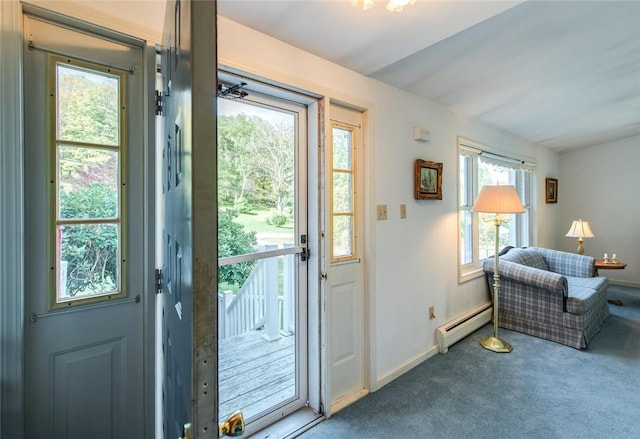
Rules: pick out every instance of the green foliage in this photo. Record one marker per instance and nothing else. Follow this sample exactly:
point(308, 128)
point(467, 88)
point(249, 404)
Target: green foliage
point(277, 219)
point(241, 205)
point(256, 162)
point(90, 250)
point(88, 107)
point(234, 240)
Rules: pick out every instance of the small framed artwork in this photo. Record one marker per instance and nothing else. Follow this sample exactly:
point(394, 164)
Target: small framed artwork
point(427, 180)
point(551, 190)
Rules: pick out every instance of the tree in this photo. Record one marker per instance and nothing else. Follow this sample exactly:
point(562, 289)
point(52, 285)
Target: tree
point(256, 161)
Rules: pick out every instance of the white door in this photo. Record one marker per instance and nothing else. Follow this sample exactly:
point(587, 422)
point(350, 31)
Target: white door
point(187, 227)
point(343, 256)
point(84, 227)
point(262, 218)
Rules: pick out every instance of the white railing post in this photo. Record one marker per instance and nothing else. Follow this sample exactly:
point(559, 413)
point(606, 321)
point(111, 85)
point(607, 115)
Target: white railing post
point(288, 285)
point(228, 298)
point(271, 318)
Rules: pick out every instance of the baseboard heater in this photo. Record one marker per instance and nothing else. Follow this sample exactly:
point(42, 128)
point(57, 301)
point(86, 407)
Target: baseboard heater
point(463, 325)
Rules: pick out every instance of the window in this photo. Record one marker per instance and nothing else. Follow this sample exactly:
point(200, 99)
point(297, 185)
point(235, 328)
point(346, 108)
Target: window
point(478, 167)
point(343, 178)
point(87, 181)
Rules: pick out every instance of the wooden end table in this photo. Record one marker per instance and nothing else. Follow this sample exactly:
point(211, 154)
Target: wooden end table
point(602, 265)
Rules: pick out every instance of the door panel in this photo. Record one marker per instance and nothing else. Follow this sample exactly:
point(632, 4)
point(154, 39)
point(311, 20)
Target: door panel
point(344, 248)
point(187, 145)
point(262, 209)
point(83, 359)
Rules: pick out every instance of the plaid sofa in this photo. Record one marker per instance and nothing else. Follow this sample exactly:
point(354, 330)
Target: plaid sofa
point(549, 294)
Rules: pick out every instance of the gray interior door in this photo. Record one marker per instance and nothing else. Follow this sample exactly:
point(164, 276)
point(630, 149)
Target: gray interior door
point(188, 227)
point(84, 260)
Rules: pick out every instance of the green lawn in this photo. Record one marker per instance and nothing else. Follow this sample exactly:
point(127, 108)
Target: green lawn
point(257, 221)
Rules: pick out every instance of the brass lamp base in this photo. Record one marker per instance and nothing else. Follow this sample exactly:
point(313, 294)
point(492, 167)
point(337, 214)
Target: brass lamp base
point(495, 344)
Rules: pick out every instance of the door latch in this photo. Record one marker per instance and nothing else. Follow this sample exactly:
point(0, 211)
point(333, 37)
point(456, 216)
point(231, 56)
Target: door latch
point(305, 254)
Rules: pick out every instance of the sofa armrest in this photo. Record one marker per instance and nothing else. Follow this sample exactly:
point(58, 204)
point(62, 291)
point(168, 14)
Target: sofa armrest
point(568, 264)
point(526, 275)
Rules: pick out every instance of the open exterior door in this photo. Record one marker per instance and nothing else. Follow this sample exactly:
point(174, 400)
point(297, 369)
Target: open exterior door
point(188, 226)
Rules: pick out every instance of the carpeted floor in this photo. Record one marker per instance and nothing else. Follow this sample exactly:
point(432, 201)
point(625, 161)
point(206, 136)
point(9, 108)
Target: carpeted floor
point(540, 390)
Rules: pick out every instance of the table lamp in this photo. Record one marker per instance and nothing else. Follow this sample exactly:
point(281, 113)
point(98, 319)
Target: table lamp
point(580, 229)
point(498, 200)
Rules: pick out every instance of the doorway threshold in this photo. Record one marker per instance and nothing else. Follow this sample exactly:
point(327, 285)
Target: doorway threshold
point(290, 426)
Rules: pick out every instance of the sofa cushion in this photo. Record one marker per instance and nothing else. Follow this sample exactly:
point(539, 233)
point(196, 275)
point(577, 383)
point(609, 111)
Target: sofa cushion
point(526, 256)
point(584, 292)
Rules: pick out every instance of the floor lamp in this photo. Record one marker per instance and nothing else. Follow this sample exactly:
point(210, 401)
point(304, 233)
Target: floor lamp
point(498, 200)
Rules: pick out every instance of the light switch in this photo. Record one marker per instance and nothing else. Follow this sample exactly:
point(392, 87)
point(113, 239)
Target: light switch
point(403, 210)
point(381, 211)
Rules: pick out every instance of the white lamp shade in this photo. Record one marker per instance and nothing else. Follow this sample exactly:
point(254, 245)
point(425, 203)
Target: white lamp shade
point(498, 199)
point(580, 229)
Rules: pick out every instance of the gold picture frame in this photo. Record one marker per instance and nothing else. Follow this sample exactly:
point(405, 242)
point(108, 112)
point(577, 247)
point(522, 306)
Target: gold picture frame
point(427, 180)
point(551, 190)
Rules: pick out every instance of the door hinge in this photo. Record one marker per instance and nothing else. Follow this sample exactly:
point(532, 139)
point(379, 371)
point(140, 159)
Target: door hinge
point(159, 103)
point(305, 254)
point(323, 275)
point(158, 280)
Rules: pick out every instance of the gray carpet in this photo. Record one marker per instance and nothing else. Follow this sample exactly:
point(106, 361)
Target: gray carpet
point(540, 390)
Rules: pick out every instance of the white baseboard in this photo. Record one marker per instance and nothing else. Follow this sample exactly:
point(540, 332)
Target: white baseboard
point(347, 400)
point(404, 368)
point(624, 283)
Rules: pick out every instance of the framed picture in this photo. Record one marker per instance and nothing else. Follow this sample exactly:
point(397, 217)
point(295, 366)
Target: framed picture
point(551, 190)
point(428, 180)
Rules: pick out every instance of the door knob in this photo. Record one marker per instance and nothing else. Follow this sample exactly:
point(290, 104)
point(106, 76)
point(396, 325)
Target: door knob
point(186, 431)
point(233, 426)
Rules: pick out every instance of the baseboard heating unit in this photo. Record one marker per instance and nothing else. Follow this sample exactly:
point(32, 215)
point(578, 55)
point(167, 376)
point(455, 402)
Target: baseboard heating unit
point(463, 325)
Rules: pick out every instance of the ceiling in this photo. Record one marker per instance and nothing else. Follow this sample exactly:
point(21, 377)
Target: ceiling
point(563, 74)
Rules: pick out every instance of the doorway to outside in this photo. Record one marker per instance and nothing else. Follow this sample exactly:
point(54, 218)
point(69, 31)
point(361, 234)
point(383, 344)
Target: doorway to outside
point(263, 250)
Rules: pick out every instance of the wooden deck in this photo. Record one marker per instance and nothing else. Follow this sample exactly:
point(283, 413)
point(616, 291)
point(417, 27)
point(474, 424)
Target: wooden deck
point(254, 374)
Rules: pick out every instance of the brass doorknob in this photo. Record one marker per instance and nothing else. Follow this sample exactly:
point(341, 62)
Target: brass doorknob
point(233, 426)
point(186, 431)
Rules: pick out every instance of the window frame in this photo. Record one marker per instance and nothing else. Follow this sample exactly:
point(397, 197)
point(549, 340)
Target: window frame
point(55, 302)
point(353, 129)
point(468, 188)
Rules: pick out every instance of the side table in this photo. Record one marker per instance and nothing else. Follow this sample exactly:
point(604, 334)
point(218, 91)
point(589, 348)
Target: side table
point(602, 265)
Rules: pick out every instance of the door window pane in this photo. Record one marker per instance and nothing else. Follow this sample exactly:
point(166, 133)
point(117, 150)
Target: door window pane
point(87, 260)
point(87, 106)
point(88, 183)
point(341, 148)
point(342, 192)
point(342, 236)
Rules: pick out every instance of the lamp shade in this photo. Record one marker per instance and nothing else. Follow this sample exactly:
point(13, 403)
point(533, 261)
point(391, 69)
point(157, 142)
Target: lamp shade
point(498, 199)
point(580, 229)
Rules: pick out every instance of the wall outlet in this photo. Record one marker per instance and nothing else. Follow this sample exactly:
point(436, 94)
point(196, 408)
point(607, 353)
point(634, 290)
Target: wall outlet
point(403, 210)
point(381, 211)
point(432, 312)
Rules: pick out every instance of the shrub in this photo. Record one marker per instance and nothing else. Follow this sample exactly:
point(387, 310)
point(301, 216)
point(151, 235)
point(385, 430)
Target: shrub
point(234, 240)
point(277, 219)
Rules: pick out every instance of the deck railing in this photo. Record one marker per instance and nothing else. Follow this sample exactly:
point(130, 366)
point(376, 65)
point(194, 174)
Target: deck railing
point(265, 300)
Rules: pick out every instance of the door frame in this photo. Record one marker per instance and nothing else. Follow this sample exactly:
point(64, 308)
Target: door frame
point(11, 222)
point(12, 262)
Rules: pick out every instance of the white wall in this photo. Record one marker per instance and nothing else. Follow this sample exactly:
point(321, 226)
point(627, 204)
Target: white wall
point(601, 184)
point(415, 259)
